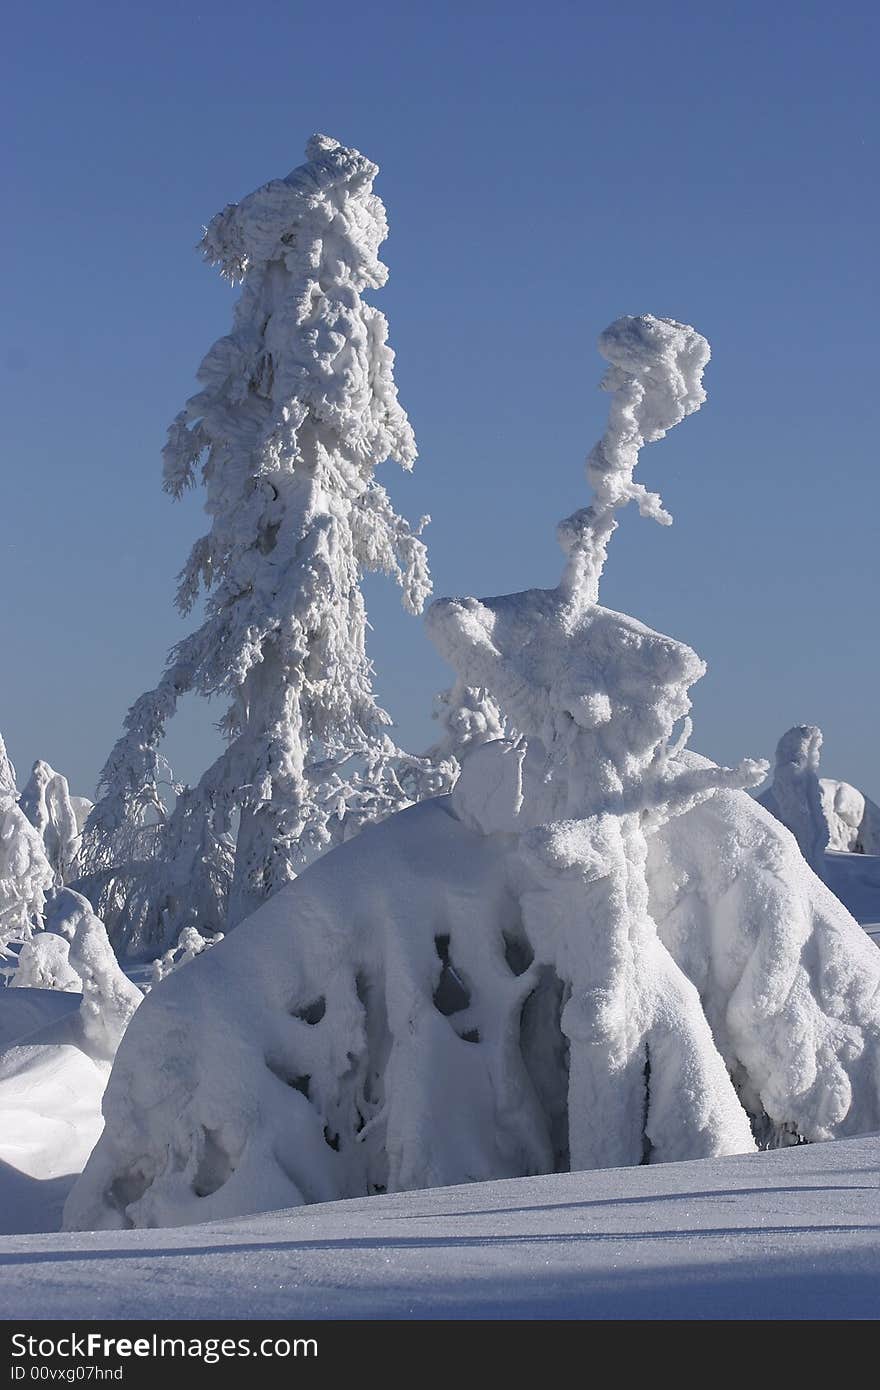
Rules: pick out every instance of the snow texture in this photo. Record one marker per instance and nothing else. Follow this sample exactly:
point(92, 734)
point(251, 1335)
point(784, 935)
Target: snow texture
point(297, 407)
point(790, 1235)
point(597, 951)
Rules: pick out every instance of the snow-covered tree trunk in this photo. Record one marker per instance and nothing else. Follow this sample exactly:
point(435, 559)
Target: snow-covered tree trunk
point(297, 408)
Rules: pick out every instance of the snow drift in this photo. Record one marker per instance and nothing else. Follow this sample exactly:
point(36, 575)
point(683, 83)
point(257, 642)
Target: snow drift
point(597, 950)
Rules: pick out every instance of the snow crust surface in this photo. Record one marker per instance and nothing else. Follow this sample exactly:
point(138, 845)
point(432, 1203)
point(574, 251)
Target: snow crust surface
point(791, 1234)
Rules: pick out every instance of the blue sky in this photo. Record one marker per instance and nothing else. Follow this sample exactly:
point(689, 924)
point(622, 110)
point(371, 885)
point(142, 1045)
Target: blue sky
point(546, 168)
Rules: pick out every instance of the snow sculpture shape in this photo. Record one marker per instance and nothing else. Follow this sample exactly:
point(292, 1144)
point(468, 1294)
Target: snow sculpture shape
point(596, 950)
point(297, 408)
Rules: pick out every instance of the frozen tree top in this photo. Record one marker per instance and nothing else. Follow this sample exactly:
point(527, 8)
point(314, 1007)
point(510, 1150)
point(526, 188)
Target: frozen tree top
point(263, 225)
point(8, 789)
point(655, 379)
point(563, 668)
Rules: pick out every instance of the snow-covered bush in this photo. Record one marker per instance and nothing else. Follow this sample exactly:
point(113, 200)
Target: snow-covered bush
point(821, 813)
point(190, 944)
point(109, 997)
point(596, 950)
point(853, 819)
point(794, 796)
point(297, 408)
point(43, 963)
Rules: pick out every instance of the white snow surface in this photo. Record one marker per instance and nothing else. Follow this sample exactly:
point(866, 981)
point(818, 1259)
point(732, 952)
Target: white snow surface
point(50, 1105)
point(792, 1234)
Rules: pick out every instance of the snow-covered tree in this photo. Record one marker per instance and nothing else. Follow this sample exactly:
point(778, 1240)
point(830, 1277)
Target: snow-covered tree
point(597, 950)
point(297, 407)
point(820, 812)
point(57, 816)
point(794, 796)
point(26, 875)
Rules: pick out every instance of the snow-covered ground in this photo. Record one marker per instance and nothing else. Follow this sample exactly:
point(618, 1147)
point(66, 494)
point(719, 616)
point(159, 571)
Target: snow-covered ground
point(794, 1233)
point(789, 1234)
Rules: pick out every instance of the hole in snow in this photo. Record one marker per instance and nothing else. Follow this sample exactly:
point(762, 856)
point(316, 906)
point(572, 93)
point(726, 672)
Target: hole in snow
point(301, 1084)
point(451, 994)
point(470, 1035)
point(331, 1140)
point(215, 1166)
point(312, 1013)
point(517, 952)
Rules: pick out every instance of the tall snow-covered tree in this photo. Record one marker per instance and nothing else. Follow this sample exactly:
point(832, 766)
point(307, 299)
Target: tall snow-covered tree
point(296, 409)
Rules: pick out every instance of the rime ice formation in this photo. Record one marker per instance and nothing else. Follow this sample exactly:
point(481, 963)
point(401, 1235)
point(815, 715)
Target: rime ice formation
point(853, 819)
point(795, 798)
point(43, 963)
point(596, 950)
point(820, 812)
point(56, 816)
point(190, 944)
point(26, 875)
point(297, 407)
point(109, 997)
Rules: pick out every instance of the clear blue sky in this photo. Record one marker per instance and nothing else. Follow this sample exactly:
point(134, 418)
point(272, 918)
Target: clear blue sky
point(546, 168)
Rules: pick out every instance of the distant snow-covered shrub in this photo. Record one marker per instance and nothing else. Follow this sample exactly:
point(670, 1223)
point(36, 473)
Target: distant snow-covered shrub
point(821, 813)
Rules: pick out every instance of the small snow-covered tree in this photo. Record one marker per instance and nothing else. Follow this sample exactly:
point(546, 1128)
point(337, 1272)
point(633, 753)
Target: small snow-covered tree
point(26, 875)
point(56, 816)
point(795, 797)
point(297, 407)
point(820, 812)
